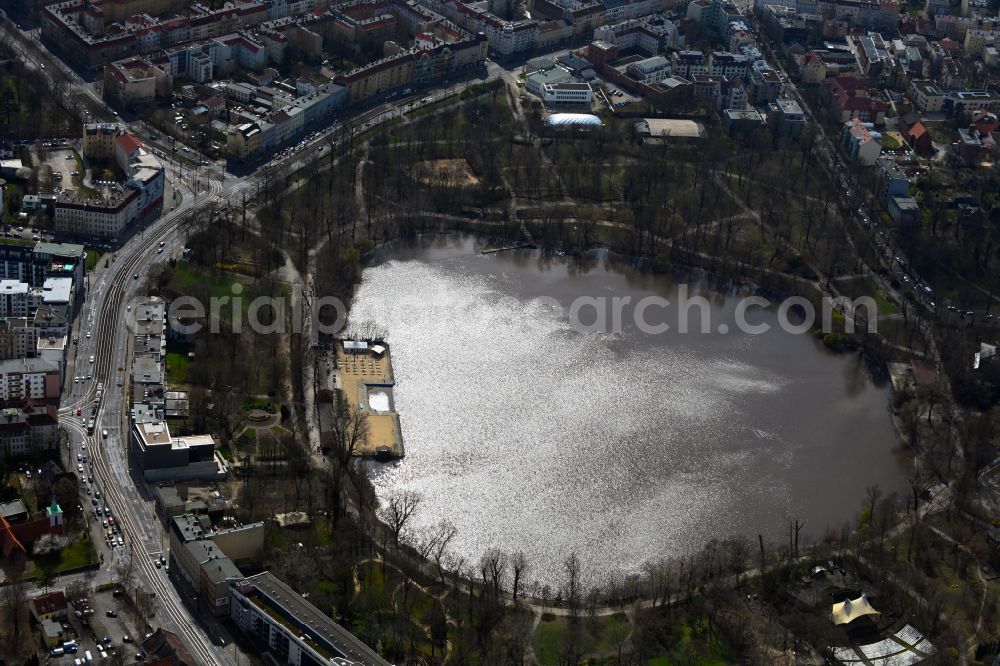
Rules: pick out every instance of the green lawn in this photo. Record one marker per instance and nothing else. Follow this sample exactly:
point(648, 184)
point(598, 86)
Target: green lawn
point(177, 368)
point(73, 556)
point(246, 442)
point(261, 404)
point(93, 256)
point(885, 306)
point(551, 635)
point(890, 143)
point(187, 275)
point(548, 639)
point(941, 133)
point(693, 646)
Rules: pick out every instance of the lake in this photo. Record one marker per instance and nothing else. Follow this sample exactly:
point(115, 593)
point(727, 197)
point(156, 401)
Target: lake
point(622, 445)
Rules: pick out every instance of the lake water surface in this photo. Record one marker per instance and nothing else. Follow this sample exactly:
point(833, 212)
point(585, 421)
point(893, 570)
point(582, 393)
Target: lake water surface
point(530, 435)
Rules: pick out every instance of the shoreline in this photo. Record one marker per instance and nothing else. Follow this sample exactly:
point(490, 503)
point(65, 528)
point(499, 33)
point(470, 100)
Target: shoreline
point(376, 256)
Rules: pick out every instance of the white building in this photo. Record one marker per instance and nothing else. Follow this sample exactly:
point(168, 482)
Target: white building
point(101, 218)
point(567, 93)
point(650, 70)
point(535, 82)
point(18, 299)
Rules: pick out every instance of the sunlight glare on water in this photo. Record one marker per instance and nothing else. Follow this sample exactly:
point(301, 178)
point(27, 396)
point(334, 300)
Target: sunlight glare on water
point(529, 435)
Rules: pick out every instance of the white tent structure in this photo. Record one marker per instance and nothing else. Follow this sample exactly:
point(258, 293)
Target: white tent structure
point(847, 611)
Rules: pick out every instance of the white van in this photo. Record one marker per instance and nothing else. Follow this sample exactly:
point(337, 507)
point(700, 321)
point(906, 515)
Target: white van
point(87, 657)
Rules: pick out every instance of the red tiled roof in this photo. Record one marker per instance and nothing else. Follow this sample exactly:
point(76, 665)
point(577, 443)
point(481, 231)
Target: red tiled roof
point(8, 540)
point(53, 602)
point(128, 142)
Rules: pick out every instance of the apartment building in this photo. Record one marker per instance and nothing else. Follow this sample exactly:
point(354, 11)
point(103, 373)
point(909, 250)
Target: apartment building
point(206, 557)
point(28, 428)
point(729, 65)
point(786, 118)
point(18, 337)
point(649, 70)
point(18, 299)
point(890, 180)
point(965, 103)
point(141, 194)
point(92, 38)
point(650, 35)
point(290, 628)
point(621, 10)
point(926, 96)
point(688, 64)
point(99, 140)
point(765, 85)
point(861, 142)
point(29, 379)
point(871, 52)
point(414, 66)
point(102, 218)
point(243, 141)
point(136, 81)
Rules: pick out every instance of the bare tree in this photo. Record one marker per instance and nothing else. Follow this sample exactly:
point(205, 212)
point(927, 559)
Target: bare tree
point(572, 588)
point(872, 493)
point(519, 567)
point(398, 509)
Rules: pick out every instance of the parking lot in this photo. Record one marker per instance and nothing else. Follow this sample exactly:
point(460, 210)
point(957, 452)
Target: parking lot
point(99, 624)
point(64, 167)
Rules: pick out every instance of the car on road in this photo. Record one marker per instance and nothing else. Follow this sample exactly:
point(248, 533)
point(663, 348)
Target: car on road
point(104, 434)
point(135, 277)
point(121, 541)
point(111, 613)
point(79, 468)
